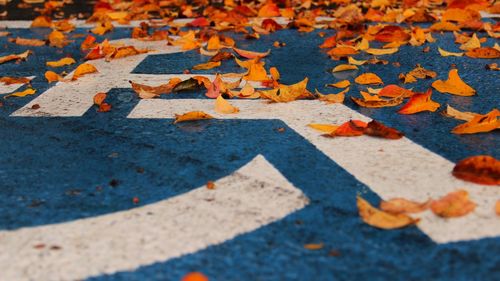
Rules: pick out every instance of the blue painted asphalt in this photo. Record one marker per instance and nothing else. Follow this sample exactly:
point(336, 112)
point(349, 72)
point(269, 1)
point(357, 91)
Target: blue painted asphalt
point(59, 169)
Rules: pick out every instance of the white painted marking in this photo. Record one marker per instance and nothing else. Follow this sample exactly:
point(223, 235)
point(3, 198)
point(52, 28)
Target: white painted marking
point(391, 168)
point(253, 196)
point(7, 89)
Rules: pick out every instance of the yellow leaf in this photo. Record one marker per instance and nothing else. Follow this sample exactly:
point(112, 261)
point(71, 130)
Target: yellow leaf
point(401, 205)
point(381, 219)
point(287, 93)
point(191, 116)
point(83, 69)
point(333, 98)
point(224, 107)
point(102, 28)
point(368, 78)
point(367, 97)
point(473, 43)
point(454, 204)
point(447, 54)
point(454, 85)
point(51, 76)
point(61, 62)
point(206, 66)
point(325, 128)
point(58, 39)
point(353, 61)
point(24, 93)
point(340, 84)
point(344, 67)
point(379, 52)
point(480, 123)
point(214, 43)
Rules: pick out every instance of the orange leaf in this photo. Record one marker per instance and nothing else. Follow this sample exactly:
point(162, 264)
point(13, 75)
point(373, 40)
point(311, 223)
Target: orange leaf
point(368, 78)
point(378, 103)
point(340, 84)
point(333, 98)
point(102, 28)
point(480, 124)
point(99, 98)
point(483, 53)
point(104, 107)
point(393, 91)
point(401, 205)
point(419, 103)
point(24, 93)
point(269, 10)
point(482, 169)
point(27, 42)
point(82, 70)
point(460, 115)
point(192, 116)
point(61, 62)
point(314, 246)
point(125, 51)
point(381, 219)
point(454, 204)
point(148, 92)
point(251, 54)
point(392, 33)
point(497, 207)
point(41, 21)
point(454, 85)
point(377, 129)
point(14, 80)
point(351, 128)
point(194, 276)
point(287, 93)
point(58, 39)
point(51, 76)
point(325, 128)
point(342, 51)
point(224, 107)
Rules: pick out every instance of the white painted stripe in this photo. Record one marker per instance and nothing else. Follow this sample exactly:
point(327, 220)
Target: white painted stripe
point(254, 196)
point(391, 168)
point(7, 89)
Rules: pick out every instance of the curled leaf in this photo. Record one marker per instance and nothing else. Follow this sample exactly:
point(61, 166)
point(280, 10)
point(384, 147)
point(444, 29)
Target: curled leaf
point(454, 85)
point(393, 91)
point(381, 219)
point(325, 128)
point(99, 98)
point(21, 56)
point(332, 98)
point(51, 76)
point(251, 54)
point(340, 84)
point(149, 92)
point(401, 205)
point(454, 204)
point(368, 79)
point(27, 42)
point(61, 62)
point(192, 116)
point(482, 169)
point(7, 80)
point(351, 128)
point(287, 93)
point(24, 93)
point(444, 53)
point(377, 129)
point(419, 103)
point(83, 69)
point(460, 115)
point(480, 123)
point(344, 67)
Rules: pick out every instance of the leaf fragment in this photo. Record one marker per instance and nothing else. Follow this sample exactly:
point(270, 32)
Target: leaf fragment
point(454, 204)
point(381, 219)
point(481, 169)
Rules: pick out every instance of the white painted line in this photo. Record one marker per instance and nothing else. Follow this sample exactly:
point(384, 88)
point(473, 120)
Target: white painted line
point(391, 168)
point(7, 89)
point(253, 196)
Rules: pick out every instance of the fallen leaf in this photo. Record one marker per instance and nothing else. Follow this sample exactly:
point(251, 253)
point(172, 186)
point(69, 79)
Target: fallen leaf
point(418, 103)
point(401, 206)
point(314, 246)
point(224, 107)
point(102, 28)
point(381, 219)
point(454, 85)
point(251, 54)
point(83, 69)
point(472, 43)
point(368, 79)
point(99, 98)
point(354, 61)
point(104, 107)
point(61, 62)
point(7, 80)
point(325, 128)
point(24, 93)
point(287, 93)
point(191, 116)
point(344, 67)
point(125, 51)
point(379, 52)
point(378, 103)
point(340, 84)
point(220, 56)
point(21, 56)
point(454, 204)
point(480, 123)
point(351, 128)
point(497, 207)
point(27, 42)
point(195, 276)
point(51, 76)
point(58, 39)
point(482, 169)
point(41, 21)
point(207, 65)
point(332, 98)
point(394, 91)
point(149, 92)
point(460, 115)
point(483, 53)
point(377, 129)
point(444, 53)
